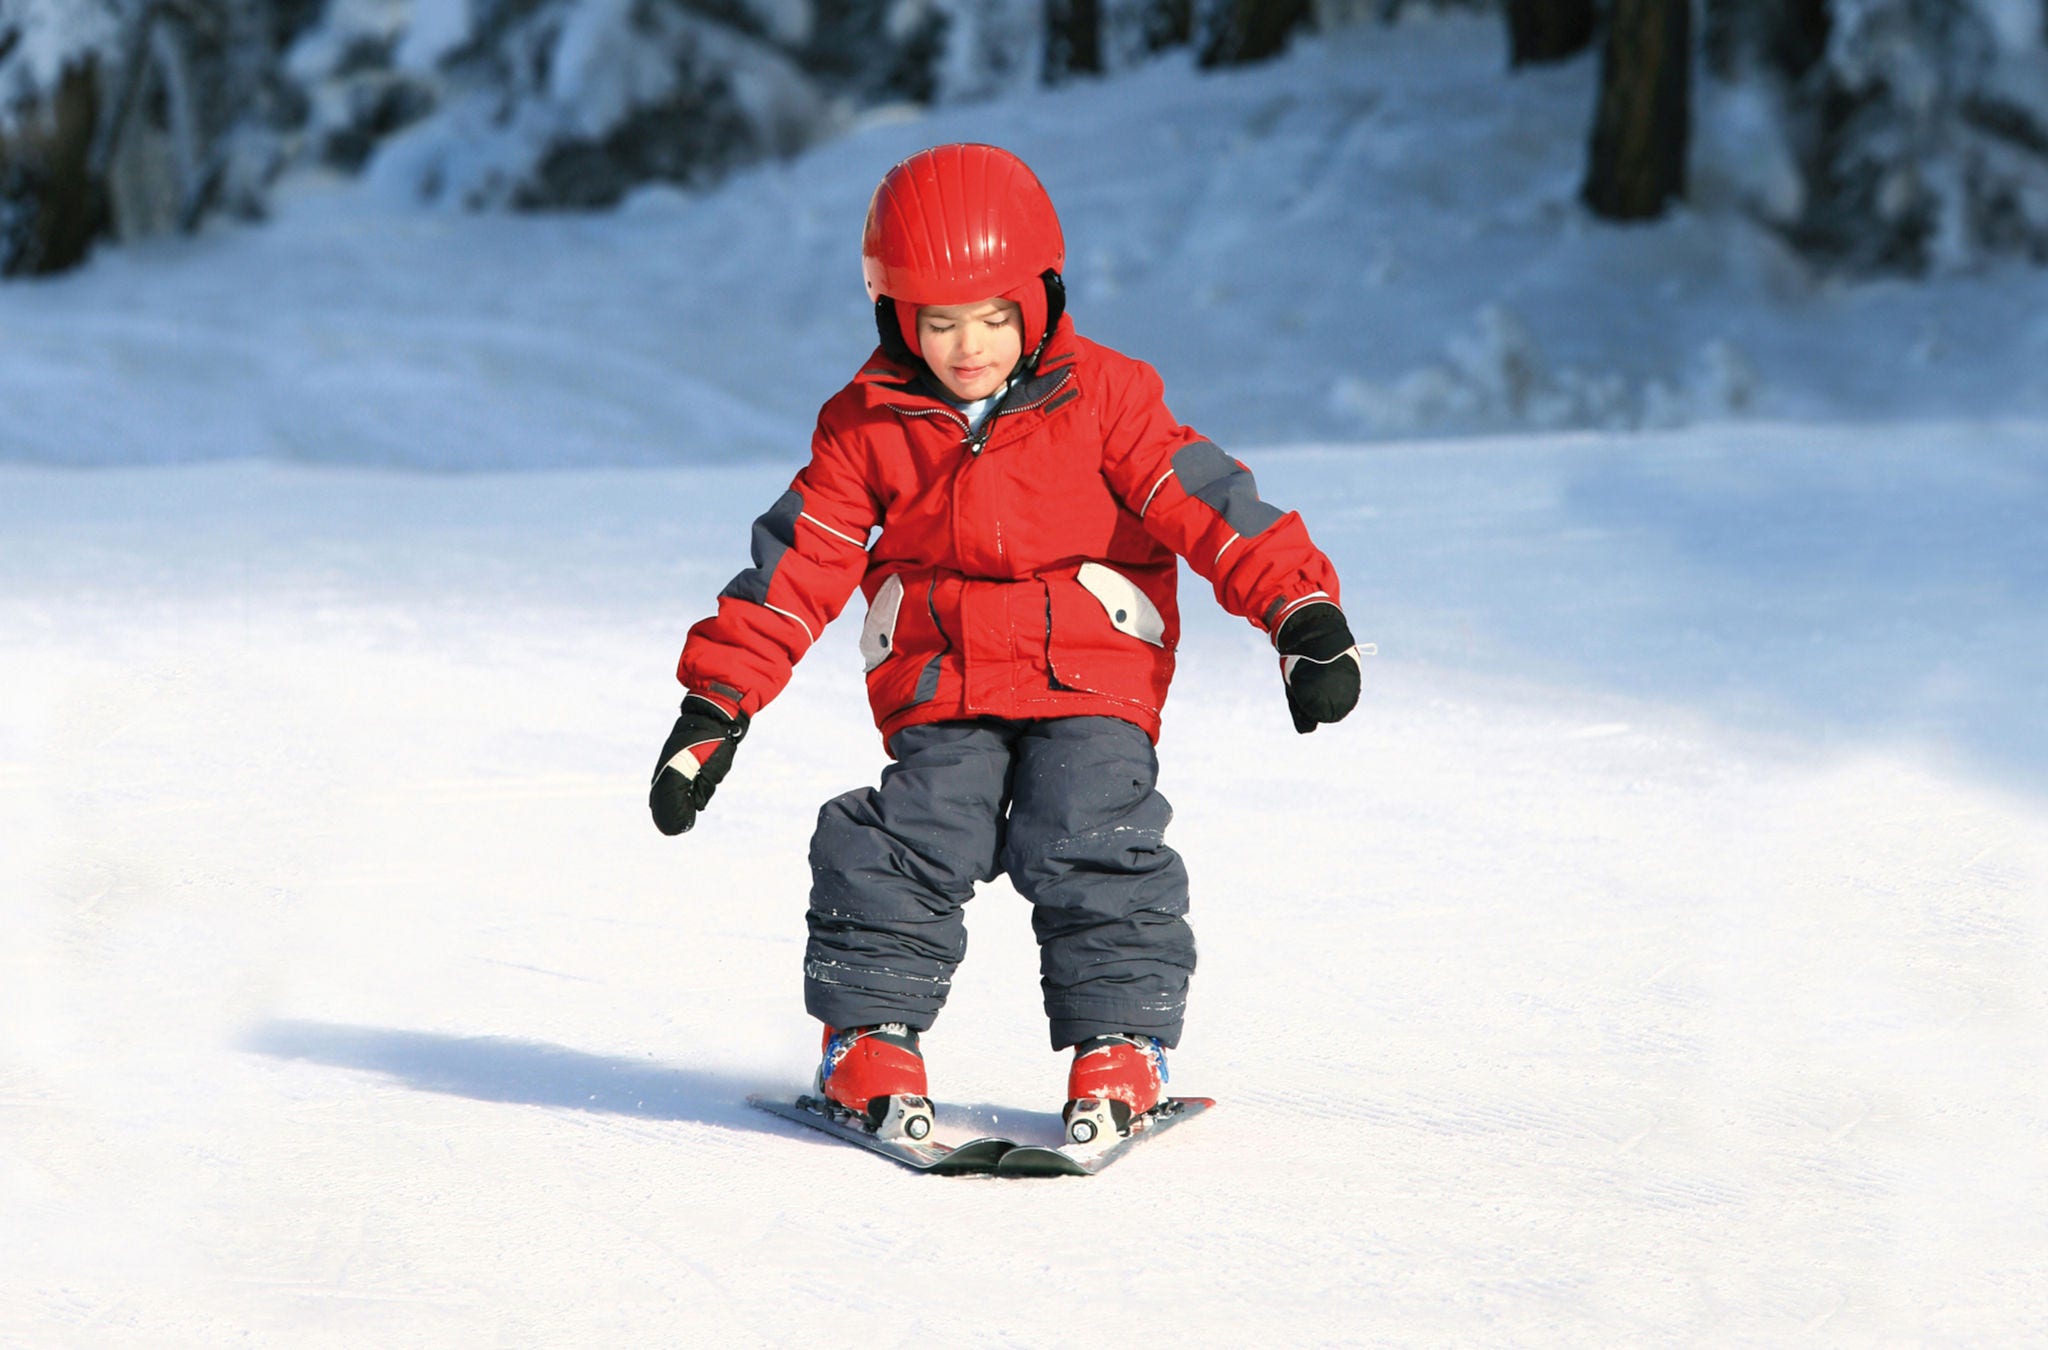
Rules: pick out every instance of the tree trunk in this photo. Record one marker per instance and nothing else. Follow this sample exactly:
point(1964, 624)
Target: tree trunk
point(1643, 123)
point(1548, 30)
point(51, 206)
point(1073, 39)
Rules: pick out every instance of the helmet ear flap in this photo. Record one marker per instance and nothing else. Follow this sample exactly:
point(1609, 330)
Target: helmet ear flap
point(1042, 299)
point(1055, 306)
point(895, 345)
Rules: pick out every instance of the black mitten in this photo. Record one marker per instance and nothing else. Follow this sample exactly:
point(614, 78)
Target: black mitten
point(693, 763)
point(1319, 661)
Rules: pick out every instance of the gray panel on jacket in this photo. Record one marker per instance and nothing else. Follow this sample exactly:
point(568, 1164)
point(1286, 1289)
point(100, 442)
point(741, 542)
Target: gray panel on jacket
point(774, 534)
point(1211, 476)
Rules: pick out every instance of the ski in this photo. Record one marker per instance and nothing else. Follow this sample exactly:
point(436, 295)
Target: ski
point(1086, 1160)
point(975, 1157)
point(988, 1155)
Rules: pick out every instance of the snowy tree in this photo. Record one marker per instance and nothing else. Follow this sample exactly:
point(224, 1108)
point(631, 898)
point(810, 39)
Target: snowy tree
point(1909, 134)
point(1924, 129)
point(1742, 37)
point(1233, 32)
point(136, 116)
point(1914, 132)
point(991, 46)
point(42, 40)
point(1105, 36)
point(53, 55)
point(877, 51)
point(556, 103)
point(1136, 30)
point(197, 120)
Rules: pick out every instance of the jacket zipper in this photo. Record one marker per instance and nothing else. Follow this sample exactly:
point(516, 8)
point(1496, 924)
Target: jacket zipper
point(932, 412)
point(976, 439)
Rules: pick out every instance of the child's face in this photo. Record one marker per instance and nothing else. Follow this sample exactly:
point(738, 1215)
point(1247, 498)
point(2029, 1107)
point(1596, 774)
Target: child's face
point(972, 348)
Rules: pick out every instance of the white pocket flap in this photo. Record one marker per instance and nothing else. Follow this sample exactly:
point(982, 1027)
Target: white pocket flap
point(1129, 608)
point(878, 634)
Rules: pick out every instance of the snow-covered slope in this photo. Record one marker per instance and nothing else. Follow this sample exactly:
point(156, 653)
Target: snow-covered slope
point(1654, 958)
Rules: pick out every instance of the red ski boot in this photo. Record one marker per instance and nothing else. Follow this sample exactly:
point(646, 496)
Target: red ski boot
point(877, 1073)
point(1114, 1080)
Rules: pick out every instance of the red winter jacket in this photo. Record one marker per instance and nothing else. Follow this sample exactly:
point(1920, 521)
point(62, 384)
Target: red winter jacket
point(1028, 576)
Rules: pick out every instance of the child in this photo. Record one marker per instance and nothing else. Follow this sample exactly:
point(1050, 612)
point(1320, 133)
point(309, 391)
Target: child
point(1032, 496)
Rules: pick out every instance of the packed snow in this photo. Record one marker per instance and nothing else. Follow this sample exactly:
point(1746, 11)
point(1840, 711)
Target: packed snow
point(1654, 958)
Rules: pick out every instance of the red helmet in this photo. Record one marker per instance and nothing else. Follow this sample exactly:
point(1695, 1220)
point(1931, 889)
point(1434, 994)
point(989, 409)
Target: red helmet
point(959, 223)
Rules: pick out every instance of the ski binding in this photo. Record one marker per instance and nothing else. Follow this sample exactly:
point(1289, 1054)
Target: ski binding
point(920, 1151)
point(1105, 1146)
point(988, 1155)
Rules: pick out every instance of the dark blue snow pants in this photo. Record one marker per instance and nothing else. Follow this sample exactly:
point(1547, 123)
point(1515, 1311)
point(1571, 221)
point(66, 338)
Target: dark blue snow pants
point(1069, 808)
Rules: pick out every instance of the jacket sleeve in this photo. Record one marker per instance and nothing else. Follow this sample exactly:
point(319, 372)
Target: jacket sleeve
point(810, 551)
point(1205, 506)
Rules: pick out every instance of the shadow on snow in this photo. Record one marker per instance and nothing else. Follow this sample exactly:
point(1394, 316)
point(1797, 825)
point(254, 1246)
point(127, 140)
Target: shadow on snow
point(523, 1073)
point(530, 1073)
